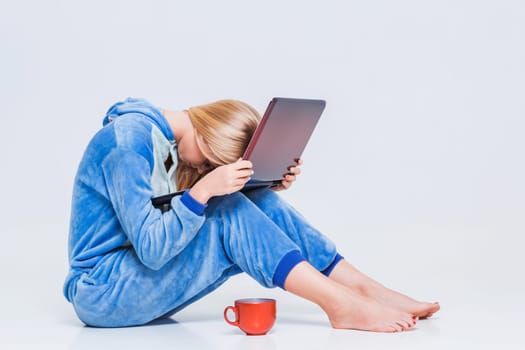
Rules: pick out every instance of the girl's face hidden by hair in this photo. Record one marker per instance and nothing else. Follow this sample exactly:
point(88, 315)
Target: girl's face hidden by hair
point(191, 154)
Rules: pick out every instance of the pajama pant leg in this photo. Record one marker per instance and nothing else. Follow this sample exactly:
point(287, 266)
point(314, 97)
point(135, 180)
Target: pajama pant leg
point(236, 236)
point(317, 249)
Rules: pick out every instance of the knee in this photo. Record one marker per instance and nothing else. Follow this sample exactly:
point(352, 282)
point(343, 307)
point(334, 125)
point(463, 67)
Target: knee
point(232, 203)
point(262, 196)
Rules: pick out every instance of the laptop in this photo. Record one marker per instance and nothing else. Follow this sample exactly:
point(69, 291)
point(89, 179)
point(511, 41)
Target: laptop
point(280, 139)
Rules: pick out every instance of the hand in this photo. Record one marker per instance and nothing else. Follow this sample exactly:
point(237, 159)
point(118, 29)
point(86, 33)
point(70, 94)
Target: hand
point(289, 178)
point(224, 179)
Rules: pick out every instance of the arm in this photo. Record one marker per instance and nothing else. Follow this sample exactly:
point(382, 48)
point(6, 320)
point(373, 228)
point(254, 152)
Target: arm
point(156, 237)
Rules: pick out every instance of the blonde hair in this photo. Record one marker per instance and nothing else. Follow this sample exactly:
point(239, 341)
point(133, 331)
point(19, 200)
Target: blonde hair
point(226, 126)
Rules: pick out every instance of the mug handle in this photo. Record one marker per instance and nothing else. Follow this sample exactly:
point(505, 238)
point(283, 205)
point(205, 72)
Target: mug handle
point(234, 309)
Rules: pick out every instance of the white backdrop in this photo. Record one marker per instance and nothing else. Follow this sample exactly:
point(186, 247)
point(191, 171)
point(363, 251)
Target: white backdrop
point(416, 168)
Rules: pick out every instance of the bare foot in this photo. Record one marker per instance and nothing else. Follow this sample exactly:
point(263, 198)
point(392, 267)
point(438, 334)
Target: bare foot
point(400, 301)
point(362, 313)
point(352, 278)
point(345, 307)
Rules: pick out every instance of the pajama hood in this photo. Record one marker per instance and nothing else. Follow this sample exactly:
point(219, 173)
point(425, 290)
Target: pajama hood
point(139, 106)
point(122, 168)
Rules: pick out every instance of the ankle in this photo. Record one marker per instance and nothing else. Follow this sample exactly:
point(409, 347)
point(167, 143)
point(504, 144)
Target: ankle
point(332, 301)
point(363, 288)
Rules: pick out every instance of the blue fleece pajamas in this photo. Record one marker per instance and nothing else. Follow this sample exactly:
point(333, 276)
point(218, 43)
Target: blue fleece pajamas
point(130, 263)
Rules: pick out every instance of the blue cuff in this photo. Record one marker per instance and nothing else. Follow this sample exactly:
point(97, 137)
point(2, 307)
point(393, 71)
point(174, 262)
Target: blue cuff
point(192, 204)
point(286, 265)
point(330, 267)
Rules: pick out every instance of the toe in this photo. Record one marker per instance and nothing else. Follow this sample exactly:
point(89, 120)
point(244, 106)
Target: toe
point(403, 325)
point(398, 327)
point(390, 329)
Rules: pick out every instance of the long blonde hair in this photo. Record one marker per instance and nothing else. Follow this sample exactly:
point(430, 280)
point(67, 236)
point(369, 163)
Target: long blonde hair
point(226, 126)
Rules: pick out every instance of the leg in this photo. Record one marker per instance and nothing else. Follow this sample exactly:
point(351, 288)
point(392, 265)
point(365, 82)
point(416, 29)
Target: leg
point(354, 279)
point(314, 246)
point(237, 236)
point(120, 291)
point(345, 308)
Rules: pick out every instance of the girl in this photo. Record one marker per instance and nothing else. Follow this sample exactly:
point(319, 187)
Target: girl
point(131, 264)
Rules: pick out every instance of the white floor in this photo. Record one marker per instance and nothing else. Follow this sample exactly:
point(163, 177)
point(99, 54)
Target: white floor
point(479, 312)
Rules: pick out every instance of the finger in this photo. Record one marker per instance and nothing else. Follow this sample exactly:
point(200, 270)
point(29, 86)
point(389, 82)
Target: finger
point(294, 171)
point(299, 161)
point(289, 178)
point(242, 178)
point(237, 184)
point(240, 181)
point(244, 173)
point(278, 188)
point(243, 164)
point(286, 184)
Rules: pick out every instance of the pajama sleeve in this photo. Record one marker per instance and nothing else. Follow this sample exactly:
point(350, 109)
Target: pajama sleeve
point(156, 237)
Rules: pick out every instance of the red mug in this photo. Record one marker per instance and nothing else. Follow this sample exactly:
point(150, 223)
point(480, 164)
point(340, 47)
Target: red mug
point(254, 316)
